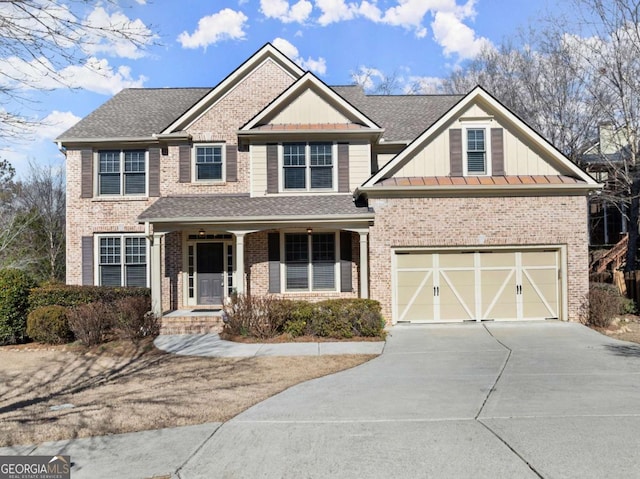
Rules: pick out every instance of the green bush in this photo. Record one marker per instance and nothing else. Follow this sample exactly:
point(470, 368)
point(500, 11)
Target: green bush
point(92, 323)
point(14, 305)
point(295, 327)
point(49, 324)
point(134, 320)
point(602, 305)
point(69, 296)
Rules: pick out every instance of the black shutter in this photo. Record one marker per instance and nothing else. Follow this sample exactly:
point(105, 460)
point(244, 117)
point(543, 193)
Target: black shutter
point(346, 285)
point(455, 152)
point(184, 160)
point(87, 260)
point(86, 174)
point(154, 171)
point(274, 262)
point(497, 152)
point(232, 163)
point(272, 168)
point(343, 167)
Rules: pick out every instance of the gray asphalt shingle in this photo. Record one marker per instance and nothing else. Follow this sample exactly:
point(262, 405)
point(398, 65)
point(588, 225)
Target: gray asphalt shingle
point(243, 206)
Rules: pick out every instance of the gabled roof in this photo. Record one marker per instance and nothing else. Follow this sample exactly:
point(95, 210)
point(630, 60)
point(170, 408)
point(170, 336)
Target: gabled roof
point(478, 94)
point(267, 52)
point(403, 117)
point(310, 82)
point(135, 113)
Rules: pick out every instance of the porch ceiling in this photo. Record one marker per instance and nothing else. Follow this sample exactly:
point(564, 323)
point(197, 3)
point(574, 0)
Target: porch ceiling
point(243, 209)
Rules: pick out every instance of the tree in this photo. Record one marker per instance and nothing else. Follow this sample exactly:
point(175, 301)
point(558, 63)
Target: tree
point(38, 38)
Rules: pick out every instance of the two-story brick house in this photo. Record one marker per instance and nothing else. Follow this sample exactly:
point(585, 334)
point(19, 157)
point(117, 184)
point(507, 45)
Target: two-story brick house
point(440, 207)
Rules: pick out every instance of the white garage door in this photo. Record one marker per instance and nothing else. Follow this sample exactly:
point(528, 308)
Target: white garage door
point(485, 285)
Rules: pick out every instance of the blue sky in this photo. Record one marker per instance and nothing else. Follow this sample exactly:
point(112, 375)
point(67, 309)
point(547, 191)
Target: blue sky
point(198, 43)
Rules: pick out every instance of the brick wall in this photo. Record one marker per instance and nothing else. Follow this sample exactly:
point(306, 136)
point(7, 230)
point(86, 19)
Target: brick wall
point(482, 222)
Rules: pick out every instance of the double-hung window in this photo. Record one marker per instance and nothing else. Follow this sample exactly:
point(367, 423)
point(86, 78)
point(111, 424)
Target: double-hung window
point(476, 151)
point(122, 172)
point(209, 163)
point(310, 261)
point(308, 166)
point(122, 261)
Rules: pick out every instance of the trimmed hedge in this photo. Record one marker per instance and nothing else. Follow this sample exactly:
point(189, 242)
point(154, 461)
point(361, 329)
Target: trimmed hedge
point(14, 305)
point(69, 296)
point(50, 325)
point(265, 317)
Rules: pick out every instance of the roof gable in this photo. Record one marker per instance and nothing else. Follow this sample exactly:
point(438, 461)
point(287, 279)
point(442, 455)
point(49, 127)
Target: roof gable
point(267, 53)
point(309, 101)
point(541, 158)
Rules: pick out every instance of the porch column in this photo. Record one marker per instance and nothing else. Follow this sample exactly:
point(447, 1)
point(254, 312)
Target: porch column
point(240, 262)
point(364, 264)
point(156, 274)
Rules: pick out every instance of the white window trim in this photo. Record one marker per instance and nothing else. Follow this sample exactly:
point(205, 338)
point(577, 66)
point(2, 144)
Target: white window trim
point(487, 145)
point(194, 168)
point(283, 266)
point(96, 176)
point(96, 255)
point(307, 153)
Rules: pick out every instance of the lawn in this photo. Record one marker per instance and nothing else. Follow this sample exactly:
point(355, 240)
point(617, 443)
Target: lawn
point(51, 393)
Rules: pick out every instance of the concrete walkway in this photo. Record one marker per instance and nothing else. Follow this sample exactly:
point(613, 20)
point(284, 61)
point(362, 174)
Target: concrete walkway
point(503, 400)
point(212, 345)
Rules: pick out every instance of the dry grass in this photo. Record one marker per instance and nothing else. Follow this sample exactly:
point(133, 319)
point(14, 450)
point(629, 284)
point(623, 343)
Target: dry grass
point(627, 330)
point(116, 389)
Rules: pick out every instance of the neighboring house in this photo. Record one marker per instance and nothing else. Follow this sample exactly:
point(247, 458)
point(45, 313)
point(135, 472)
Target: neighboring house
point(605, 160)
point(440, 207)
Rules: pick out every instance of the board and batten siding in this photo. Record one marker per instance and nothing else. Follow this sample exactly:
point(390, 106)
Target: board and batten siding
point(309, 108)
point(359, 163)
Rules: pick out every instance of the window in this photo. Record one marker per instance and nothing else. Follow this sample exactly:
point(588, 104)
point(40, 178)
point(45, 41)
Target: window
point(118, 269)
point(476, 152)
point(122, 172)
point(310, 261)
point(308, 166)
point(209, 163)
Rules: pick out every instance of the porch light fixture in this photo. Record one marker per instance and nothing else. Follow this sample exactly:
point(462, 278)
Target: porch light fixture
point(201, 233)
point(309, 231)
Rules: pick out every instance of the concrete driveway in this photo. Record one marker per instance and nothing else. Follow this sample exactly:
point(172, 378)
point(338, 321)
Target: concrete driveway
point(552, 400)
point(498, 400)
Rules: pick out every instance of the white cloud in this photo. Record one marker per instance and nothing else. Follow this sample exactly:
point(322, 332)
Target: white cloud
point(227, 24)
point(95, 75)
point(367, 77)
point(317, 66)
point(336, 11)
point(107, 35)
point(455, 37)
point(423, 85)
point(53, 125)
point(283, 11)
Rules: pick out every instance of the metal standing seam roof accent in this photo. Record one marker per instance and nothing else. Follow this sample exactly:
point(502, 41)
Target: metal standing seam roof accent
point(243, 206)
point(135, 113)
point(480, 180)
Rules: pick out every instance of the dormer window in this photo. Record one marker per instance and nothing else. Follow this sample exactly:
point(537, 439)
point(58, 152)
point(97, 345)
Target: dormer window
point(476, 152)
point(308, 166)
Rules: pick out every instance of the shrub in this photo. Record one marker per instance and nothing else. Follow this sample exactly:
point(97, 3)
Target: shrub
point(346, 318)
point(295, 327)
point(134, 320)
point(602, 305)
point(91, 323)
point(14, 305)
point(258, 316)
point(49, 324)
point(69, 296)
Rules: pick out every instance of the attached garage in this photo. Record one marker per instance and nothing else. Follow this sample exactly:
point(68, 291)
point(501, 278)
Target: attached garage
point(477, 285)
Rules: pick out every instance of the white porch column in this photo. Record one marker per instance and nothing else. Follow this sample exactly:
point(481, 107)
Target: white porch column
point(240, 286)
point(364, 264)
point(156, 274)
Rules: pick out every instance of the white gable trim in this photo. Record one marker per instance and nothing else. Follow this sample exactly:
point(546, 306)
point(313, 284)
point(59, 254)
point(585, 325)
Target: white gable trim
point(308, 80)
point(478, 93)
point(229, 83)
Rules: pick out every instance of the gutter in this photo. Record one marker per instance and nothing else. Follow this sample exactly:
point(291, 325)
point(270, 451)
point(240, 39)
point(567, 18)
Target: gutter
point(224, 220)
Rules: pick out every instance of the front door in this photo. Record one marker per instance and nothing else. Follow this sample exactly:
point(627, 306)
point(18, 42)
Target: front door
point(210, 269)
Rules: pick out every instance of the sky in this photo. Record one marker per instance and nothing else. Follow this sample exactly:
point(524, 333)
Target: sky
point(197, 43)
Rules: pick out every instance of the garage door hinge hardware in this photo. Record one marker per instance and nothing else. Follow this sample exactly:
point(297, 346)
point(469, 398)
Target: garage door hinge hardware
point(436, 290)
point(518, 289)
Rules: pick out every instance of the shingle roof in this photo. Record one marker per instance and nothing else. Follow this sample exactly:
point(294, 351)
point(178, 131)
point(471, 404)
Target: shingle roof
point(212, 207)
point(404, 117)
point(135, 113)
